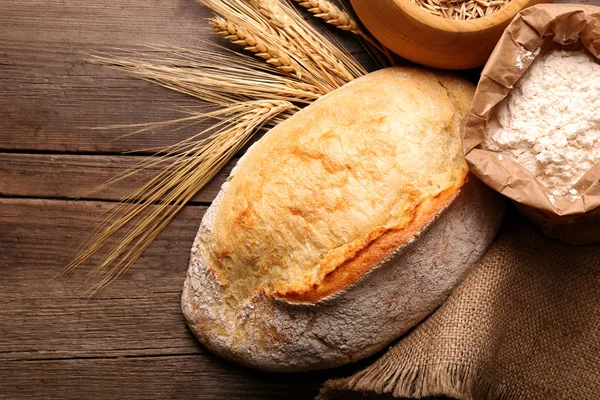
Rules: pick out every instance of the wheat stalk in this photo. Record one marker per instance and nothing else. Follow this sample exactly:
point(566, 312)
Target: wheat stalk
point(299, 67)
point(198, 160)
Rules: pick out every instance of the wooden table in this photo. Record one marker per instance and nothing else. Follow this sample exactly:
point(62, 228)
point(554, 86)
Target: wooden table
point(129, 341)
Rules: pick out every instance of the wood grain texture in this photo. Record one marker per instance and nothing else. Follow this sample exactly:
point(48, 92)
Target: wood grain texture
point(130, 340)
point(51, 96)
point(46, 315)
point(160, 377)
point(70, 176)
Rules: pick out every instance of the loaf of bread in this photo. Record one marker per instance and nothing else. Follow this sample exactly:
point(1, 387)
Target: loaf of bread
point(342, 228)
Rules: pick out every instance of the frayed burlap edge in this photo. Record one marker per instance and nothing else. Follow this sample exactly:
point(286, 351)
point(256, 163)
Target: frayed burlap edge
point(386, 376)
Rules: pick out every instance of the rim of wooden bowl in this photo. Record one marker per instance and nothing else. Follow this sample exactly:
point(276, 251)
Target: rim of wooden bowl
point(505, 14)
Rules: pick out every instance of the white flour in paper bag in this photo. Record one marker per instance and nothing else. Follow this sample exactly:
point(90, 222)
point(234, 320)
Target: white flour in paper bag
point(550, 121)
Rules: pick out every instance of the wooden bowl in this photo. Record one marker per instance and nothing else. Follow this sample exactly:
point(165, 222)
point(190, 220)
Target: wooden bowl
point(415, 34)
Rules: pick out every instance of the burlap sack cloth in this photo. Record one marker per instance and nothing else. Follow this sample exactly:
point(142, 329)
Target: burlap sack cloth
point(525, 324)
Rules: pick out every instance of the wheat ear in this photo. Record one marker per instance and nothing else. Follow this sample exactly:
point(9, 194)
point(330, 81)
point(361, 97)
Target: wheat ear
point(335, 64)
point(279, 26)
point(222, 78)
point(241, 37)
point(335, 16)
point(330, 13)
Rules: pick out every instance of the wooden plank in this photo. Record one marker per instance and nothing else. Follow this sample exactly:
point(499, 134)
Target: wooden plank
point(51, 96)
point(59, 176)
point(180, 377)
point(46, 315)
point(53, 327)
point(130, 341)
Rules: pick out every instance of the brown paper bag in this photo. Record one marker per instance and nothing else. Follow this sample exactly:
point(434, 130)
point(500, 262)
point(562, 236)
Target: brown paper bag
point(532, 29)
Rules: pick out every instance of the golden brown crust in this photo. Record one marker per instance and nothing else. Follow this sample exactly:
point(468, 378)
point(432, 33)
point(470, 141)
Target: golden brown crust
point(381, 244)
point(313, 206)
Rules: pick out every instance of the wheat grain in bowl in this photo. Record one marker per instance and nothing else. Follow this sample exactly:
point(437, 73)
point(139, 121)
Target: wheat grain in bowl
point(461, 9)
